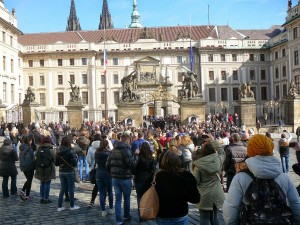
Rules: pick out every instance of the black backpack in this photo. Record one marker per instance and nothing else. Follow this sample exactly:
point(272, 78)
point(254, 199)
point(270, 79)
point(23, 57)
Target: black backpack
point(43, 157)
point(264, 203)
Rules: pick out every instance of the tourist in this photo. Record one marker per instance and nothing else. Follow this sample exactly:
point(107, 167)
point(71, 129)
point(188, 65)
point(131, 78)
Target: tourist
point(186, 146)
point(284, 150)
point(83, 142)
point(14, 137)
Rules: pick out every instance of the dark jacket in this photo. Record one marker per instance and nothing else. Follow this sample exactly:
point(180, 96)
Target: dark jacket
point(46, 173)
point(66, 159)
point(121, 162)
point(83, 143)
point(175, 190)
point(26, 155)
point(235, 153)
point(8, 156)
point(100, 160)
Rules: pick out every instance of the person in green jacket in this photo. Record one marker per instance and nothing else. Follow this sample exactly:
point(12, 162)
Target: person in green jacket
point(207, 173)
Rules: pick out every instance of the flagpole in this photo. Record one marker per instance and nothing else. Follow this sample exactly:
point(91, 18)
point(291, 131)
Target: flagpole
point(105, 76)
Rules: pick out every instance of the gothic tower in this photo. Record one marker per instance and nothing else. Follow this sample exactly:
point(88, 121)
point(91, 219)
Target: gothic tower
point(105, 18)
point(73, 21)
point(135, 17)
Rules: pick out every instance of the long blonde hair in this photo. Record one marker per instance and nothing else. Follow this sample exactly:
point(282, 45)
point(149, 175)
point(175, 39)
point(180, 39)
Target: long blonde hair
point(14, 132)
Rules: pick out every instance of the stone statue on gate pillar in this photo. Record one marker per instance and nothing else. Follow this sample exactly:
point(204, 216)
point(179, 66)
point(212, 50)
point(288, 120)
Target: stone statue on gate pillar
point(75, 94)
point(293, 89)
point(29, 96)
point(245, 90)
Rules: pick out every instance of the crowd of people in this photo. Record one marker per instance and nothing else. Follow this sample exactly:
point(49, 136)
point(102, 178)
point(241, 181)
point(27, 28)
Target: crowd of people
point(190, 163)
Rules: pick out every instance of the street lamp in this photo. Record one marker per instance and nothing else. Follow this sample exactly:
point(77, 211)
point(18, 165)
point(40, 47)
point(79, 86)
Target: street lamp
point(273, 104)
point(222, 105)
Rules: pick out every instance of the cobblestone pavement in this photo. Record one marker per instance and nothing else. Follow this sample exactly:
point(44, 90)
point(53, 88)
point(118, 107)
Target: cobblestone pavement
point(15, 212)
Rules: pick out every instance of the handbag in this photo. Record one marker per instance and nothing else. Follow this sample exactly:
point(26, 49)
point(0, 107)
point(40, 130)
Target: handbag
point(92, 175)
point(77, 178)
point(149, 204)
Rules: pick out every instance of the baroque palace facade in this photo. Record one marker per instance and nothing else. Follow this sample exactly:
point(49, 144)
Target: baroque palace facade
point(224, 59)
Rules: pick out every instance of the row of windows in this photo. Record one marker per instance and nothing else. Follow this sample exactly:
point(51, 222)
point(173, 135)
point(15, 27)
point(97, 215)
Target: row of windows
point(60, 80)
point(4, 64)
point(4, 36)
point(223, 58)
point(5, 93)
point(224, 75)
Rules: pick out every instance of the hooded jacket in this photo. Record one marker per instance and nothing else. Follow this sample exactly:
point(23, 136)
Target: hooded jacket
point(263, 167)
point(90, 157)
point(8, 156)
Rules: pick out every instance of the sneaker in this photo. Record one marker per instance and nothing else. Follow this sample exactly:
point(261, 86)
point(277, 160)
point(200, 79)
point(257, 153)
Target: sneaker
point(111, 211)
point(60, 209)
point(103, 213)
point(127, 219)
point(21, 193)
point(91, 204)
point(28, 198)
point(75, 207)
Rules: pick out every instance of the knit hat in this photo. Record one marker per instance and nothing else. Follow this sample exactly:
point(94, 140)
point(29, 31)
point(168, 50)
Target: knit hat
point(260, 144)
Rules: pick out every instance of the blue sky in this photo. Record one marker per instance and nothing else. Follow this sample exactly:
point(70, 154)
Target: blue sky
point(36, 16)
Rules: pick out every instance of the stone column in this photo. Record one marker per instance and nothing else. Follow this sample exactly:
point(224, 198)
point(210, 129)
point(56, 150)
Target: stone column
point(247, 112)
point(29, 111)
point(75, 113)
point(131, 109)
point(193, 107)
point(292, 111)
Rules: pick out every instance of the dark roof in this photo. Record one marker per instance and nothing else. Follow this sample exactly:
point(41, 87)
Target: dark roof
point(262, 34)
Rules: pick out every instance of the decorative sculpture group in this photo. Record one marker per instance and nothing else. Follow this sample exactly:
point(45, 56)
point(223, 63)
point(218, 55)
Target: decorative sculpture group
point(190, 86)
point(29, 96)
point(129, 84)
point(293, 89)
point(245, 90)
point(75, 94)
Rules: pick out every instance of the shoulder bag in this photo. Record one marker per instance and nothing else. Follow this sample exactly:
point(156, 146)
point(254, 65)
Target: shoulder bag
point(149, 204)
point(77, 178)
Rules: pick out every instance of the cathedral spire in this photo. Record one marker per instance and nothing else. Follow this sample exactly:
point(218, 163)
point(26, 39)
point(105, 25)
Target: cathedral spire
point(73, 21)
point(135, 17)
point(289, 4)
point(105, 18)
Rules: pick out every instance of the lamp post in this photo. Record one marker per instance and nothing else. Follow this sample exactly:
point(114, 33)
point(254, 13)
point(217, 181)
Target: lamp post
point(222, 105)
point(273, 104)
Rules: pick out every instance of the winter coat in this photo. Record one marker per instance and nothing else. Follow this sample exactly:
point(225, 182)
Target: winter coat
point(8, 156)
point(100, 160)
point(83, 143)
point(26, 156)
point(66, 159)
point(187, 152)
point(263, 167)
point(283, 144)
point(46, 173)
point(235, 153)
point(90, 157)
point(121, 162)
point(207, 170)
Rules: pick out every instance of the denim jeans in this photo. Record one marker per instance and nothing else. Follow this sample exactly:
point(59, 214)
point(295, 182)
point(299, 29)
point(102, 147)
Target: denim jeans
point(27, 185)
point(172, 221)
point(209, 217)
point(122, 186)
point(16, 148)
point(81, 163)
point(285, 163)
point(67, 181)
point(13, 186)
point(105, 186)
point(45, 189)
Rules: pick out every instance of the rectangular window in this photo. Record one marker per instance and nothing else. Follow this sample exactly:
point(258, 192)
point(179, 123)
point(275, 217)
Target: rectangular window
point(179, 77)
point(283, 52)
point(60, 79)
point(102, 79)
point(263, 74)
point(85, 97)
point(211, 75)
point(61, 116)
point(4, 92)
point(296, 58)
point(179, 59)
point(277, 94)
point(222, 57)
point(116, 79)
point(11, 40)
point(283, 71)
point(59, 62)
point(234, 57)
point(30, 80)
point(4, 63)
point(84, 61)
point(11, 65)
point(42, 99)
point(252, 74)
point(235, 75)
point(223, 75)
point(263, 91)
point(102, 97)
point(210, 58)
point(235, 94)
point(30, 63)
point(42, 80)
point(72, 61)
point(116, 97)
point(276, 73)
point(284, 90)
point(276, 55)
point(12, 93)
point(102, 62)
point(224, 96)
point(115, 61)
point(3, 36)
point(262, 57)
point(43, 115)
point(60, 98)
point(212, 94)
point(85, 114)
point(84, 79)
point(42, 63)
point(72, 79)
point(295, 32)
point(297, 82)
point(254, 90)
point(251, 57)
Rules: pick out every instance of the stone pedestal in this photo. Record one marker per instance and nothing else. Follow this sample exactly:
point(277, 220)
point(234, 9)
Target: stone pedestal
point(30, 113)
point(247, 112)
point(192, 107)
point(292, 111)
point(75, 113)
point(131, 109)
